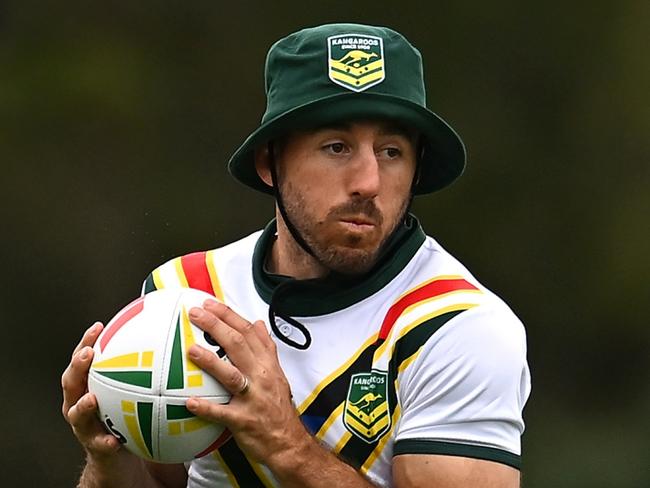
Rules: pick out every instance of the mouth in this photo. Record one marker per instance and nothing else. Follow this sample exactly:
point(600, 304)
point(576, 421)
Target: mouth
point(358, 223)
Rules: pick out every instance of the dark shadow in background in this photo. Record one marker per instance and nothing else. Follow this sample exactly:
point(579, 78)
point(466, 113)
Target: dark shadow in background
point(116, 122)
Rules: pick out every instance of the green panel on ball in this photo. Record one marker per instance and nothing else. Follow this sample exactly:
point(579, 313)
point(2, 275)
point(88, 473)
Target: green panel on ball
point(136, 378)
point(145, 415)
point(178, 412)
point(175, 377)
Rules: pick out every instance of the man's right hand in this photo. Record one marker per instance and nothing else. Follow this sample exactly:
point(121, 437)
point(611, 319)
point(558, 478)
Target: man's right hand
point(80, 406)
point(106, 464)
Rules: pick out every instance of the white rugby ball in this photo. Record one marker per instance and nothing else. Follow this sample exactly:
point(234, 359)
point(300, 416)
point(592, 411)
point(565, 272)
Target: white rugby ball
point(142, 376)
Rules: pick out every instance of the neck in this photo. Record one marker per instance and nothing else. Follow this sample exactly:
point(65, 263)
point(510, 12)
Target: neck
point(287, 258)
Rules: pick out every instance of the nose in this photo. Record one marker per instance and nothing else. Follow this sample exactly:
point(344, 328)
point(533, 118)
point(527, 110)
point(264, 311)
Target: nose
point(364, 177)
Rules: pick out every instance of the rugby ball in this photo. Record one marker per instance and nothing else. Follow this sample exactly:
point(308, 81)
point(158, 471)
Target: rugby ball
point(142, 377)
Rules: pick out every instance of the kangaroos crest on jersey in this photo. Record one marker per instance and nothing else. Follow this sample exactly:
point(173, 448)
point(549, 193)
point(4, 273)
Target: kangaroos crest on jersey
point(356, 61)
point(366, 406)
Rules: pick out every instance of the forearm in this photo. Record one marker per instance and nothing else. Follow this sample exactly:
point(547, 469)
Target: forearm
point(120, 471)
point(309, 465)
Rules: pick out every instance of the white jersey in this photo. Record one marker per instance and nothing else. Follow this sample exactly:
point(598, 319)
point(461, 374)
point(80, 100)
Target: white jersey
point(418, 357)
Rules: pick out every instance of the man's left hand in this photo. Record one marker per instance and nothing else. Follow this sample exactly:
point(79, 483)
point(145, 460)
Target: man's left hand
point(260, 415)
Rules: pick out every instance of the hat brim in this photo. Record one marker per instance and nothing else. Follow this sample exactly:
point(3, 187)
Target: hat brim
point(443, 157)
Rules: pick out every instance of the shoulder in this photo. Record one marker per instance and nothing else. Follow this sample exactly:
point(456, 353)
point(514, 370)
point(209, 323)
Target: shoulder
point(462, 379)
point(451, 309)
point(487, 326)
point(446, 315)
point(463, 391)
point(202, 270)
point(459, 359)
point(458, 355)
point(484, 345)
point(435, 281)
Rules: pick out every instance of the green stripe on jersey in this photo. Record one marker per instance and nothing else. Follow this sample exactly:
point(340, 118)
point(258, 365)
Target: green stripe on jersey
point(334, 393)
point(426, 446)
point(149, 285)
point(356, 451)
point(239, 465)
point(409, 344)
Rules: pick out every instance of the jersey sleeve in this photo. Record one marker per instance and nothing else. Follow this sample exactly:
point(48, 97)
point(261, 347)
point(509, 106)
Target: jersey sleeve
point(464, 393)
point(196, 270)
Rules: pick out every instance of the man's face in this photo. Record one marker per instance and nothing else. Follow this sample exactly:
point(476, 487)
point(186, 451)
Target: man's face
point(346, 188)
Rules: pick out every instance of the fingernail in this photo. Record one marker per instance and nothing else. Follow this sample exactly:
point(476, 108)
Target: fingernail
point(194, 352)
point(195, 313)
point(84, 354)
point(192, 404)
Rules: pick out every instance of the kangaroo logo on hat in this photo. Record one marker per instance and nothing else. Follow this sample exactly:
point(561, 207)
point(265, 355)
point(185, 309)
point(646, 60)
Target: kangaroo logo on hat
point(356, 61)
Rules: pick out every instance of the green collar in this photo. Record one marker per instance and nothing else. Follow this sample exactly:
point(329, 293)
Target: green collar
point(336, 292)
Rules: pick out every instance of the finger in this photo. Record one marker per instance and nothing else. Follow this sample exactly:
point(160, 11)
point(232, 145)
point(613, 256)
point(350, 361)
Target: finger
point(231, 318)
point(213, 412)
point(236, 345)
point(262, 334)
point(227, 315)
point(104, 443)
point(74, 380)
point(87, 427)
point(224, 372)
point(83, 415)
point(89, 337)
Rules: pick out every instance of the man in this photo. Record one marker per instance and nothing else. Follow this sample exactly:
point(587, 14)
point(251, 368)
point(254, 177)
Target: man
point(383, 362)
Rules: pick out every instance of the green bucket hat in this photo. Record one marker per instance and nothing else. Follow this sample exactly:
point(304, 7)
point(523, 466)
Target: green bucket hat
point(345, 72)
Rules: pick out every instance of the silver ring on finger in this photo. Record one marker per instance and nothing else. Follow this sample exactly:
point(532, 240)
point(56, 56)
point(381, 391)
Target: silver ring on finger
point(245, 386)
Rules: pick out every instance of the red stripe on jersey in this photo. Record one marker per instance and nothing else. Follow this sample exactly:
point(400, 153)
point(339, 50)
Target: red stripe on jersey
point(127, 313)
point(430, 290)
point(196, 272)
point(221, 440)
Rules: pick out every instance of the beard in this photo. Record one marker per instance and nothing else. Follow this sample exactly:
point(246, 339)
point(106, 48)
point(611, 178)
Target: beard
point(338, 249)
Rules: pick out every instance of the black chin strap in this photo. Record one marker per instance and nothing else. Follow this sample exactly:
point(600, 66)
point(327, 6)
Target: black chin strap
point(283, 289)
point(283, 211)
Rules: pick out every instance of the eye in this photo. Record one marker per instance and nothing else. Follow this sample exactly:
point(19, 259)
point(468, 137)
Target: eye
point(335, 148)
point(391, 152)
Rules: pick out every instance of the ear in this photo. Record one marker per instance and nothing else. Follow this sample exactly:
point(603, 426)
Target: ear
point(263, 164)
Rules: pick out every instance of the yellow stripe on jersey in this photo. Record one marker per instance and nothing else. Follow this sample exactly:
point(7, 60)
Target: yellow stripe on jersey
point(439, 297)
point(407, 362)
point(178, 265)
point(342, 442)
point(226, 469)
point(157, 279)
point(404, 330)
point(260, 473)
point(382, 442)
point(330, 420)
point(214, 279)
point(305, 404)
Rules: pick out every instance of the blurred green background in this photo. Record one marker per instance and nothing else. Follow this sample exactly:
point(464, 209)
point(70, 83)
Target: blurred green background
point(117, 118)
